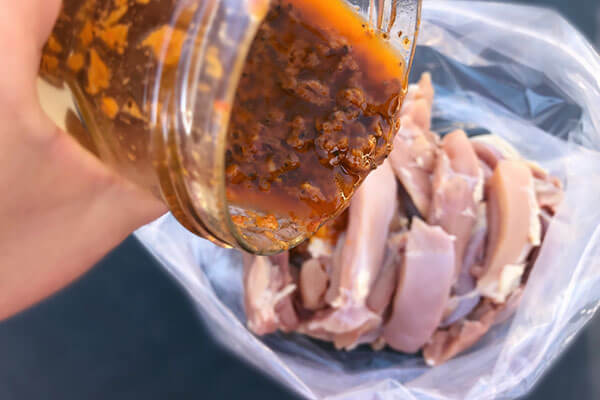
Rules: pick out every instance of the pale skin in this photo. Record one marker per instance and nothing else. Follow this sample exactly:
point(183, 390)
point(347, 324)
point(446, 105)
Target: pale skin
point(61, 209)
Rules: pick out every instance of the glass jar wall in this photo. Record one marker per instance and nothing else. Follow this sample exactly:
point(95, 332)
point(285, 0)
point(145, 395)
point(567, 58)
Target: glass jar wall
point(158, 90)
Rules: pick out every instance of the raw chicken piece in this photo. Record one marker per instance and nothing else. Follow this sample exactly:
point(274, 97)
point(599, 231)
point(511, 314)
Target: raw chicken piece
point(423, 147)
point(488, 155)
point(413, 160)
point(421, 90)
point(514, 229)
point(423, 288)
point(288, 318)
point(367, 333)
point(335, 271)
point(420, 112)
point(487, 171)
point(465, 297)
point(322, 244)
point(318, 247)
point(414, 153)
point(339, 321)
point(380, 297)
point(365, 279)
point(548, 189)
point(457, 192)
point(463, 158)
point(458, 307)
point(549, 194)
point(315, 334)
point(492, 149)
point(474, 253)
point(419, 102)
point(447, 343)
point(509, 308)
point(357, 260)
point(313, 284)
point(383, 289)
point(268, 287)
point(371, 212)
point(401, 220)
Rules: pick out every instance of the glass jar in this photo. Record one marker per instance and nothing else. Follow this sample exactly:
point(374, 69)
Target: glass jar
point(149, 86)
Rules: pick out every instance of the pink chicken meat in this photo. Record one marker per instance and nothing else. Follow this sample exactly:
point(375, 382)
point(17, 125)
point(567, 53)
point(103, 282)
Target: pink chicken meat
point(384, 287)
point(457, 192)
point(268, 288)
point(360, 259)
point(371, 213)
point(415, 146)
point(430, 266)
point(423, 288)
point(514, 229)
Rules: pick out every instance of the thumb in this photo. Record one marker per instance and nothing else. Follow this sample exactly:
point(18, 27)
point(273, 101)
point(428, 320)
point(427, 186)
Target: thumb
point(47, 12)
point(25, 26)
point(37, 17)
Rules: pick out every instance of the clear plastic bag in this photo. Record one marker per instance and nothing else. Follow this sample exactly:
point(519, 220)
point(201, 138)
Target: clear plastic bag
point(520, 72)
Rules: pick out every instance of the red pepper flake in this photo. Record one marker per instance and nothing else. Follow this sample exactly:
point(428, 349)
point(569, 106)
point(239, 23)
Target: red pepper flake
point(117, 14)
point(98, 74)
point(49, 63)
point(75, 62)
point(54, 45)
point(110, 107)
point(115, 37)
point(87, 34)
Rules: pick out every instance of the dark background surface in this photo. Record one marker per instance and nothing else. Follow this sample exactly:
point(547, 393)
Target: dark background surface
point(126, 331)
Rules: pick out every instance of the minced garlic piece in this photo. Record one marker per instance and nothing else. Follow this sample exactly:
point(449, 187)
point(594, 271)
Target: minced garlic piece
point(75, 62)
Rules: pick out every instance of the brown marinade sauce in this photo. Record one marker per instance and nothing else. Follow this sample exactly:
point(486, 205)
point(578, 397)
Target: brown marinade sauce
point(315, 111)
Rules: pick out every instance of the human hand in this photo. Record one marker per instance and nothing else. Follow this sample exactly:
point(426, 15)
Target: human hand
point(62, 209)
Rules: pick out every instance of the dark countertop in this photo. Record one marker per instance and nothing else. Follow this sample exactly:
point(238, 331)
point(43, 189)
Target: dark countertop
point(126, 331)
